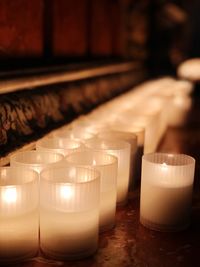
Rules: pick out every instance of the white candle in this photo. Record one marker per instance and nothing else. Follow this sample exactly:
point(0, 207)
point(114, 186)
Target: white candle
point(178, 112)
point(78, 135)
point(64, 146)
point(166, 191)
point(107, 166)
point(19, 216)
point(121, 150)
point(140, 133)
point(132, 140)
point(69, 212)
point(35, 160)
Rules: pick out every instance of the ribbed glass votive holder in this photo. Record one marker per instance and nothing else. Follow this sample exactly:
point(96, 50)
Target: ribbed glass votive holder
point(132, 140)
point(121, 150)
point(69, 212)
point(19, 214)
point(64, 146)
point(36, 160)
point(140, 133)
point(107, 166)
point(166, 191)
point(78, 135)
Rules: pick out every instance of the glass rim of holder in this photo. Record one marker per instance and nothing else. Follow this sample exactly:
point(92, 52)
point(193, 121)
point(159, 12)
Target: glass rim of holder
point(56, 142)
point(24, 161)
point(59, 145)
point(121, 135)
point(12, 168)
point(20, 179)
point(56, 168)
point(85, 183)
point(103, 144)
point(125, 126)
point(167, 179)
point(74, 134)
point(148, 157)
point(112, 159)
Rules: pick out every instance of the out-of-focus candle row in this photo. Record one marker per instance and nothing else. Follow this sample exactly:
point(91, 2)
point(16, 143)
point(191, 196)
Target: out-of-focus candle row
point(153, 106)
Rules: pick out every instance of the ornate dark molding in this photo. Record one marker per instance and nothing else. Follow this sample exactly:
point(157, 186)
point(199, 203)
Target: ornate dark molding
point(26, 115)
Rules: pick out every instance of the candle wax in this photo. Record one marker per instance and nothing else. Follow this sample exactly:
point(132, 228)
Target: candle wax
point(165, 206)
point(68, 235)
point(18, 236)
point(107, 209)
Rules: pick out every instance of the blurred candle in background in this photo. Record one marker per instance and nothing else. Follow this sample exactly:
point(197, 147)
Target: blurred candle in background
point(121, 150)
point(64, 146)
point(35, 160)
point(80, 136)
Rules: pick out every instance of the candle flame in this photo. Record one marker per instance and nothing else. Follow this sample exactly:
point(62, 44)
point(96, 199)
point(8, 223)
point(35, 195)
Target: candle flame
point(94, 162)
point(164, 166)
point(9, 195)
point(66, 192)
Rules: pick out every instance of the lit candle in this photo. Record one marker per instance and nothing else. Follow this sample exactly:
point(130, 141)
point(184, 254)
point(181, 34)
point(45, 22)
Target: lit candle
point(178, 112)
point(19, 216)
point(140, 133)
point(189, 70)
point(132, 140)
point(166, 191)
point(107, 166)
point(64, 146)
point(78, 135)
point(35, 160)
point(121, 150)
point(69, 212)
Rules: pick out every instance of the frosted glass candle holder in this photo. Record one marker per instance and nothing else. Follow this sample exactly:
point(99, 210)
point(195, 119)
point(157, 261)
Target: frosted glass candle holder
point(35, 160)
point(140, 133)
point(183, 87)
point(69, 212)
point(19, 215)
point(64, 146)
point(121, 150)
point(189, 70)
point(107, 166)
point(132, 140)
point(90, 126)
point(179, 109)
point(151, 125)
point(78, 135)
point(166, 191)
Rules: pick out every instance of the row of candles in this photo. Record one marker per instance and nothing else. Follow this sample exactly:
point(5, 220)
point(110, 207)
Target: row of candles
point(69, 187)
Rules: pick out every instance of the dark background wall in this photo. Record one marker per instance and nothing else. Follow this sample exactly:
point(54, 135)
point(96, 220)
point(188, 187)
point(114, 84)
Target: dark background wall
point(158, 33)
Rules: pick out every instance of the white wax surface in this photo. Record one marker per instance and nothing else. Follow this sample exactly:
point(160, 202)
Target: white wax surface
point(68, 235)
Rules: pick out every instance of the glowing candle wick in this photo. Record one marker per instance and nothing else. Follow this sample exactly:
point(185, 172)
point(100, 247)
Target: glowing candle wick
point(66, 192)
point(10, 195)
point(164, 166)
